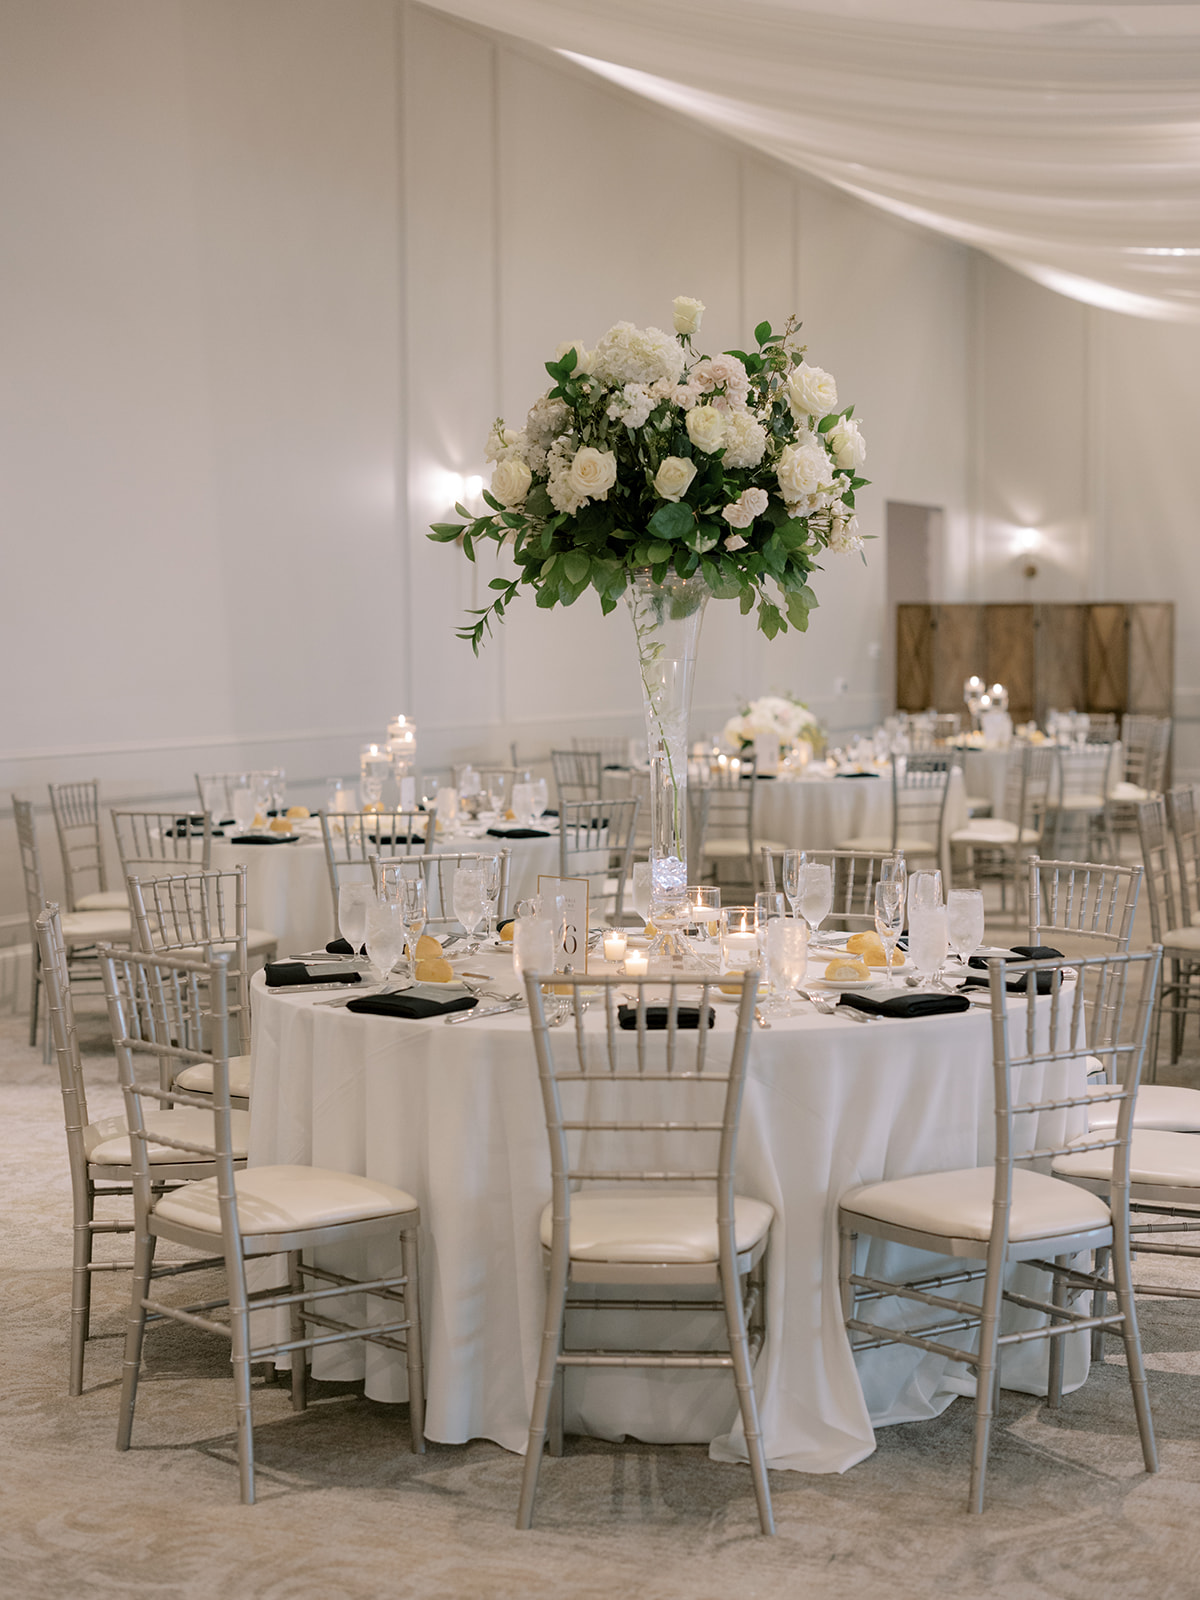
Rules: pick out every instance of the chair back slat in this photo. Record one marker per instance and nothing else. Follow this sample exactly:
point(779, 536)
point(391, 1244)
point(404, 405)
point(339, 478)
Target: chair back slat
point(149, 842)
point(596, 839)
point(200, 915)
point(438, 872)
point(1183, 816)
point(1086, 899)
point(56, 977)
point(76, 809)
point(577, 775)
point(1156, 859)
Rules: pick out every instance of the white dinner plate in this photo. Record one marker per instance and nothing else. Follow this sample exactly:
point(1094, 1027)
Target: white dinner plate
point(841, 983)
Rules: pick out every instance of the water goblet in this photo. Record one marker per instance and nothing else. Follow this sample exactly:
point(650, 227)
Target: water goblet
point(793, 863)
point(786, 957)
point(497, 791)
point(385, 935)
point(470, 901)
point(816, 894)
point(353, 902)
point(889, 919)
point(541, 795)
point(924, 891)
point(278, 785)
point(523, 803)
point(964, 922)
point(244, 805)
point(927, 941)
point(410, 896)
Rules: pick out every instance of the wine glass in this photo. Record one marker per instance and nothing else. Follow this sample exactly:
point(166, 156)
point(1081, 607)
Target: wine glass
point(353, 902)
point(816, 894)
point(491, 889)
point(260, 782)
point(410, 896)
point(497, 789)
point(893, 870)
point(927, 940)
point(793, 862)
point(964, 922)
point(385, 933)
point(889, 919)
point(244, 805)
point(215, 801)
point(786, 957)
point(470, 901)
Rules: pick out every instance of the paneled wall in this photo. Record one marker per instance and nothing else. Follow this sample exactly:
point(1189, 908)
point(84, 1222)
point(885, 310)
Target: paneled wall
point(271, 270)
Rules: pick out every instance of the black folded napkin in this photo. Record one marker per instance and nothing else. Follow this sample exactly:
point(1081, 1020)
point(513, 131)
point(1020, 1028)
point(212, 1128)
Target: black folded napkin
point(410, 1005)
point(519, 833)
point(858, 774)
point(616, 766)
point(1026, 952)
point(908, 1003)
point(398, 838)
point(342, 947)
point(190, 828)
point(284, 974)
point(656, 1017)
point(263, 838)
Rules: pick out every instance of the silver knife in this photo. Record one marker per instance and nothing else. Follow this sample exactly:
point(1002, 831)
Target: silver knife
point(492, 1011)
point(855, 1014)
point(306, 988)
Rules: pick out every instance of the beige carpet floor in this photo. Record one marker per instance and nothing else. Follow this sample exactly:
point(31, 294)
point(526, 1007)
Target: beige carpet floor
point(346, 1511)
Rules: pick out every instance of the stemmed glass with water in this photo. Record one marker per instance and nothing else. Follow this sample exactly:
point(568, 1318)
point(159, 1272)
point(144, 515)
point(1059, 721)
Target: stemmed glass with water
point(354, 900)
point(889, 917)
point(410, 896)
point(964, 922)
point(470, 901)
point(793, 863)
point(244, 803)
point(785, 953)
point(385, 935)
point(816, 894)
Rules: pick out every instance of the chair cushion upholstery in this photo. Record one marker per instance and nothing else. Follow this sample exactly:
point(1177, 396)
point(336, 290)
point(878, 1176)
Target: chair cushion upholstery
point(881, 844)
point(650, 1226)
point(199, 1078)
point(727, 848)
point(1185, 939)
point(1155, 1157)
point(95, 927)
point(103, 900)
point(993, 830)
point(107, 1141)
point(1079, 802)
point(283, 1199)
point(258, 940)
point(1130, 792)
point(959, 1204)
point(1159, 1105)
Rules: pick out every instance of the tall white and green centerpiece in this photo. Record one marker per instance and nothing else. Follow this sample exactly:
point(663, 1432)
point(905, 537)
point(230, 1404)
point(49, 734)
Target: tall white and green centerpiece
point(651, 471)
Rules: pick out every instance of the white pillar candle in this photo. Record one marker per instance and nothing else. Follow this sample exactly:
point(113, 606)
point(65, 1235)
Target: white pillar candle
point(614, 946)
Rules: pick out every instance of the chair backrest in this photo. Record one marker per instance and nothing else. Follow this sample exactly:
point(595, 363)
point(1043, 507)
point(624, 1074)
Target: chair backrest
point(1084, 773)
point(1095, 1006)
point(920, 784)
point(613, 750)
point(854, 873)
point(1156, 859)
point(627, 1107)
point(1029, 774)
point(225, 783)
point(1083, 898)
point(576, 775)
point(166, 1014)
point(722, 808)
point(595, 841)
point(1183, 817)
point(1146, 742)
point(76, 808)
point(438, 872)
point(199, 915)
point(31, 862)
point(153, 842)
point(56, 977)
point(352, 837)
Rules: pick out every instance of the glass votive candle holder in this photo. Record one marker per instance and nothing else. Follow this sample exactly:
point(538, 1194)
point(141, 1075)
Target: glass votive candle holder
point(636, 964)
point(615, 942)
point(704, 906)
point(739, 938)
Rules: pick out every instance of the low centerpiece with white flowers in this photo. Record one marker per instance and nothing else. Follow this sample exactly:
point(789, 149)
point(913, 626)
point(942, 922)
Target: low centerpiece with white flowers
point(651, 471)
point(778, 717)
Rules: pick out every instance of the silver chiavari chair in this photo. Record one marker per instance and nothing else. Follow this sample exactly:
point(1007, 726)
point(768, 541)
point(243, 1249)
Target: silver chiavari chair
point(920, 784)
point(82, 931)
point(352, 837)
point(240, 1215)
point(1006, 1213)
point(438, 872)
point(854, 873)
point(595, 841)
point(613, 750)
point(1179, 992)
point(153, 842)
point(98, 1151)
point(643, 1128)
point(76, 808)
point(577, 775)
point(995, 849)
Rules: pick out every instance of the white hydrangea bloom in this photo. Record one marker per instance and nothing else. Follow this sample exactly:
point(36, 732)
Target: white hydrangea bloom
point(546, 420)
point(633, 405)
point(637, 355)
point(563, 496)
point(745, 439)
point(504, 442)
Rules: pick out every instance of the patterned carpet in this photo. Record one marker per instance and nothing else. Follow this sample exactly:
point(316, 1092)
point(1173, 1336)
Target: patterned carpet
point(346, 1511)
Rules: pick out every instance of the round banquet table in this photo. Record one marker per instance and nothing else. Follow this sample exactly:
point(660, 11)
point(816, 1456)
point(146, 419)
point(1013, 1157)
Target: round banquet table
point(816, 813)
point(454, 1115)
point(985, 771)
point(287, 885)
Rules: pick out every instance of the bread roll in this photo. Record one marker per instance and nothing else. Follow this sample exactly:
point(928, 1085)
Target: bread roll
point(434, 970)
point(428, 948)
point(297, 813)
point(846, 969)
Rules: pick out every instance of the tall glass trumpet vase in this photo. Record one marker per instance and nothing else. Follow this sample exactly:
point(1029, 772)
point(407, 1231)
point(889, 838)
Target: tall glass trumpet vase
point(666, 620)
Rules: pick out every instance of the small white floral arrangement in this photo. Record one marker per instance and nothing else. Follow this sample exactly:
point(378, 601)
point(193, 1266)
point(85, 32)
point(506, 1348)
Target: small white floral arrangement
point(739, 468)
point(781, 717)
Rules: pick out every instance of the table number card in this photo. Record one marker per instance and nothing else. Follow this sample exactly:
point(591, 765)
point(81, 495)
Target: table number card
point(575, 920)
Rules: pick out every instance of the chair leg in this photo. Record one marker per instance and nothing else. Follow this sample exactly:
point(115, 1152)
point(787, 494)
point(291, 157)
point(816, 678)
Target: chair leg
point(412, 1340)
point(1099, 1303)
point(743, 1374)
point(35, 970)
point(244, 1420)
point(1123, 1283)
point(81, 1282)
point(1058, 1297)
point(554, 1422)
point(299, 1326)
point(556, 1295)
point(135, 1332)
point(846, 1244)
point(987, 1385)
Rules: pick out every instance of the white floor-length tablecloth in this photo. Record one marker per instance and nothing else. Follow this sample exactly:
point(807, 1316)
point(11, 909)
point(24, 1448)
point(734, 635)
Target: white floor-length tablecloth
point(453, 1114)
point(287, 885)
point(818, 813)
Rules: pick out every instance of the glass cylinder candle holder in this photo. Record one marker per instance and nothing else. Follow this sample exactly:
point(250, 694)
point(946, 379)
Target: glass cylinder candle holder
point(739, 938)
point(402, 743)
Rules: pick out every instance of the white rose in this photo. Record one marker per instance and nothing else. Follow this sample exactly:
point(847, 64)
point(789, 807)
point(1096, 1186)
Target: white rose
point(734, 541)
point(674, 477)
point(706, 428)
point(592, 473)
point(583, 356)
point(811, 392)
point(511, 481)
point(847, 443)
point(688, 314)
point(803, 471)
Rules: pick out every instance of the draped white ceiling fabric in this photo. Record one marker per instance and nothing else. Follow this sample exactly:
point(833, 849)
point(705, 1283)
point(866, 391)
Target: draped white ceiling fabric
point(1061, 138)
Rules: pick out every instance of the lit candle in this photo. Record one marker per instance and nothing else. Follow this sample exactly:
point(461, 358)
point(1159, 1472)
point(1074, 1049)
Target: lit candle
point(614, 945)
point(636, 964)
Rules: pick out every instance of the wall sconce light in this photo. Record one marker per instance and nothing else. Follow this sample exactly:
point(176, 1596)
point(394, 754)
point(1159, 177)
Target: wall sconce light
point(465, 487)
point(1027, 541)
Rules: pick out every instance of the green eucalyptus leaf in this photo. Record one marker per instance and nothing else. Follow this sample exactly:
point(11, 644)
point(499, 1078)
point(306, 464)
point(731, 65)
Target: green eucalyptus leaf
point(673, 520)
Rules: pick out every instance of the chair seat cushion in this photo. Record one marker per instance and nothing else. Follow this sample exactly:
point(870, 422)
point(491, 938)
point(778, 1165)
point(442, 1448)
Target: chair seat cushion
point(1184, 939)
point(727, 848)
point(1130, 792)
point(1159, 1105)
point(881, 844)
point(286, 1199)
point(259, 940)
point(103, 900)
point(651, 1226)
point(107, 1141)
point(95, 927)
point(1079, 802)
point(958, 1204)
point(199, 1079)
point(1155, 1157)
point(993, 830)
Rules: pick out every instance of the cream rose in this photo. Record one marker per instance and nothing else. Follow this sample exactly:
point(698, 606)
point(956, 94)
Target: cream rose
point(803, 471)
point(688, 315)
point(706, 428)
point(511, 481)
point(592, 473)
point(674, 477)
point(811, 392)
point(847, 443)
point(583, 356)
point(749, 504)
